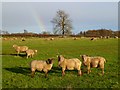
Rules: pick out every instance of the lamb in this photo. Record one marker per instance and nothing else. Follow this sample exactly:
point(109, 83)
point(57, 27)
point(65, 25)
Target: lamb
point(30, 53)
point(20, 48)
point(41, 65)
point(93, 62)
point(69, 64)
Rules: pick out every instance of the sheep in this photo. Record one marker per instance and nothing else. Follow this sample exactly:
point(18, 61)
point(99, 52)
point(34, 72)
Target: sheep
point(51, 38)
point(22, 39)
point(93, 39)
point(30, 52)
point(69, 64)
point(115, 36)
point(20, 48)
point(41, 65)
point(93, 62)
point(74, 38)
point(108, 37)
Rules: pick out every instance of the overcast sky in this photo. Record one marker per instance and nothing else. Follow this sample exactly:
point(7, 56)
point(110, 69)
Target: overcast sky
point(36, 16)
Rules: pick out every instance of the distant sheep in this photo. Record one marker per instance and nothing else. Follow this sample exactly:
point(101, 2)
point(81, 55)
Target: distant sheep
point(51, 38)
point(115, 36)
point(41, 65)
point(20, 48)
point(23, 39)
point(30, 52)
point(93, 39)
point(93, 62)
point(69, 64)
point(74, 38)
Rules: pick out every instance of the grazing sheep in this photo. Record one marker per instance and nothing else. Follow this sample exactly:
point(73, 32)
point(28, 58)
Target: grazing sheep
point(51, 38)
point(20, 48)
point(108, 37)
point(93, 62)
point(101, 37)
point(115, 36)
point(93, 39)
point(30, 52)
point(41, 65)
point(69, 64)
point(74, 38)
point(23, 39)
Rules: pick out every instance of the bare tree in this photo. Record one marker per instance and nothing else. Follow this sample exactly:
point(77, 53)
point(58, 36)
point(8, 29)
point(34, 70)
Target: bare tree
point(62, 23)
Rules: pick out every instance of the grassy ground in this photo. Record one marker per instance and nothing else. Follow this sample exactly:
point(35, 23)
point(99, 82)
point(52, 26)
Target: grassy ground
point(16, 70)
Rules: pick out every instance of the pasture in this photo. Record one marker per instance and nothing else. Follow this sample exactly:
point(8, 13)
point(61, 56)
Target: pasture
point(16, 69)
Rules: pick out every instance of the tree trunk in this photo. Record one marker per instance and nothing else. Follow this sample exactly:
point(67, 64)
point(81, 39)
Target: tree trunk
point(63, 31)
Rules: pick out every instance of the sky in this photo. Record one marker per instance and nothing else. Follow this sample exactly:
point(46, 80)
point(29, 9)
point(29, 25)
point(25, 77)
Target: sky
point(36, 16)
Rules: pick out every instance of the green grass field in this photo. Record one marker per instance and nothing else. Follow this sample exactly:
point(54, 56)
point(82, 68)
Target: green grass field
point(16, 69)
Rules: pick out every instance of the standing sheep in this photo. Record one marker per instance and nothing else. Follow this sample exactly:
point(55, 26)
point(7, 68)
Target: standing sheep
point(20, 48)
point(93, 62)
point(69, 64)
point(41, 65)
point(30, 52)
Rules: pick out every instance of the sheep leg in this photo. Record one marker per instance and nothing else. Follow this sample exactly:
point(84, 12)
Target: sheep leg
point(45, 74)
point(79, 72)
point(88, 70)
point(102, 71)
point(32, 74)
point(27, 56)
point(63, 72)
point(18, 53)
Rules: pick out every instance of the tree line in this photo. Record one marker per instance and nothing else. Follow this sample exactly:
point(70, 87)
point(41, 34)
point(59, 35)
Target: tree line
point(88, 33)
point(99, 33)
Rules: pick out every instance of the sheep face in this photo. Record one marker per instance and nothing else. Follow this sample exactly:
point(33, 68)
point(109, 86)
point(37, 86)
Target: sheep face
point(49, 61)
point(84, 60)
point(60, 59)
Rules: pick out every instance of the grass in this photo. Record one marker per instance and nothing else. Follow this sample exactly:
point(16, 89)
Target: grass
point(16, 70)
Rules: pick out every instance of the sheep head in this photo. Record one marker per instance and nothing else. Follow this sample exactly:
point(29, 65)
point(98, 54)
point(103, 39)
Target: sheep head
point(60, 59)
point(84, 58)
point(49, 61)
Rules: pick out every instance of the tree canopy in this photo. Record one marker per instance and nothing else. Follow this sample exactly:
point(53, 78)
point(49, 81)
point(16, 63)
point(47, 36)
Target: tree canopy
point(62, 23)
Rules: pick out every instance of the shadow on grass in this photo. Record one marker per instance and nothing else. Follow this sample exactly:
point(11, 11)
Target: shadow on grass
point(27, 71)
point(21, 54)
point(19, 70)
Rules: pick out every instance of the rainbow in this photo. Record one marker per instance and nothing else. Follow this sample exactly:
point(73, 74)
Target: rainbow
point(38, 20)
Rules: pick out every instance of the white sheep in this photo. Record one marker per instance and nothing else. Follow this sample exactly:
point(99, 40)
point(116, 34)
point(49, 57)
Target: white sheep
point(30, 52)
point(74, 38)
point(51, 38)
point(20, 48)
point(93, 39)
point(69, 64)
point(41, 65)
point(93, 62)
